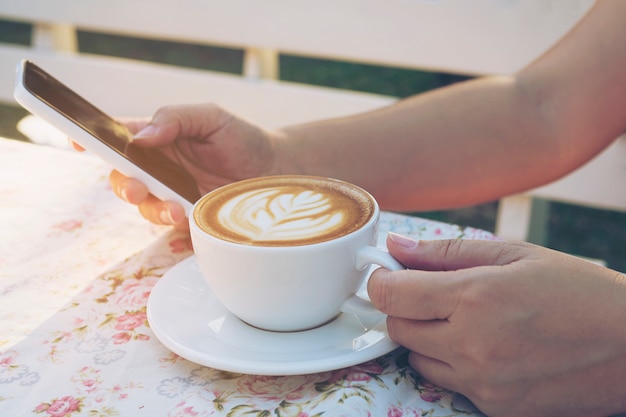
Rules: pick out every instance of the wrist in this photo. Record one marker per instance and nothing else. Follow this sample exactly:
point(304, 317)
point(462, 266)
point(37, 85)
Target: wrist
point(286, 154)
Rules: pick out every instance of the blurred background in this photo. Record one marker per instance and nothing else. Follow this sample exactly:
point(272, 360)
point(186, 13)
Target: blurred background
point(582, 231)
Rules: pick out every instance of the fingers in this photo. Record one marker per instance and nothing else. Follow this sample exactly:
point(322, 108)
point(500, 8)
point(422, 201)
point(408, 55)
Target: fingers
point(435, 371)
point(132, 124)
point(164, 128)
point(430, 354)
point(454, 254)
point(431, 338)
point(413, 294)
point(128, 189)
point(165, 213)
point(151, 208)
point(189, 121)
point(441, 277)
point(75, 145)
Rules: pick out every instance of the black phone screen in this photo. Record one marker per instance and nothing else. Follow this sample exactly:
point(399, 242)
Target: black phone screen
point(112, 133)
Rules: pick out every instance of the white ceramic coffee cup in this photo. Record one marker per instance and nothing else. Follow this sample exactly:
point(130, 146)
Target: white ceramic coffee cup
point(291, 288)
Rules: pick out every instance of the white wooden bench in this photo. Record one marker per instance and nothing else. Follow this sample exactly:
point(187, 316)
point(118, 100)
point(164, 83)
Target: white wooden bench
point(476, 37)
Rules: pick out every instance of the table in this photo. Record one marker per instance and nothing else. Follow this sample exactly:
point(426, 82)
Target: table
point(76, 269)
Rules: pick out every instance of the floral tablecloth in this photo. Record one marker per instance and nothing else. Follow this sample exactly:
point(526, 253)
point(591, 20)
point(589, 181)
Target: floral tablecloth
point(76, 270)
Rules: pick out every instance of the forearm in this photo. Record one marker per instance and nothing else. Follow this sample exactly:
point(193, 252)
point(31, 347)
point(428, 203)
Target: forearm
point(454, 146)
point(482, 139)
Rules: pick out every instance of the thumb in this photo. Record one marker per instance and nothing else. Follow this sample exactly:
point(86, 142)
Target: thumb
point(194, 121)
point(438, 274)
point(158, 132)
point(452, 254)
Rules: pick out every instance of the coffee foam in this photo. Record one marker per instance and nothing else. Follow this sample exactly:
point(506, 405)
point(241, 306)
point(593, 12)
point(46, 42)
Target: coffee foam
point(284, 211)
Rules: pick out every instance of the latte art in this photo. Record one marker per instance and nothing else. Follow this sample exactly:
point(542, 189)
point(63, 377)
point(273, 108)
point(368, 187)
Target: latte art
point(271, 214)
point(284, 211)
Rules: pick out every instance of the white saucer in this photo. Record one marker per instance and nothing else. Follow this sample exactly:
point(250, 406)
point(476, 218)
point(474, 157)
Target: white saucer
point(188, 319)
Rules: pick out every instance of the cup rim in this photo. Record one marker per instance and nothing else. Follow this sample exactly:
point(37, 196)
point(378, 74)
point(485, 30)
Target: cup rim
point(206, 235)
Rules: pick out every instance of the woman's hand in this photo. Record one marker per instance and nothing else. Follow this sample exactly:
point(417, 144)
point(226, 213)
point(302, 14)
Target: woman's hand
point(519, 329)
point(214, 146)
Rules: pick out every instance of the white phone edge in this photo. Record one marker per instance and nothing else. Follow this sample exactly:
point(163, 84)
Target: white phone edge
point(40, 109)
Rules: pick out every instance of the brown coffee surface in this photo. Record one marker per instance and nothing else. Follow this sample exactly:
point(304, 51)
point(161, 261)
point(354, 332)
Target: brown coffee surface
point(284, 210)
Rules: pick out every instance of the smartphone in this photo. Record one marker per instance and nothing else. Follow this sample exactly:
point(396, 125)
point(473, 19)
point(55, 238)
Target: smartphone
point(48, 98)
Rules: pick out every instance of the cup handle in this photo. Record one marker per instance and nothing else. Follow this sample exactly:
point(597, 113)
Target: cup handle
point(366, 256)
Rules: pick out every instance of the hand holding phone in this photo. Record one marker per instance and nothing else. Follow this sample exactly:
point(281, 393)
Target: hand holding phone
point(46, 97)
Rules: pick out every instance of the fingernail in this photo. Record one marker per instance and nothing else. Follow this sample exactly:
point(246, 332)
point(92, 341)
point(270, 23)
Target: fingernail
point(166, 217)
point(147, 132)
point(124, 194)
point(177, 214)
point(403, 241)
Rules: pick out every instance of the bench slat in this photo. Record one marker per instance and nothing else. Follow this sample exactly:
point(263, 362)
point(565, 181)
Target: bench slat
point(472, 37)
point(131, 88)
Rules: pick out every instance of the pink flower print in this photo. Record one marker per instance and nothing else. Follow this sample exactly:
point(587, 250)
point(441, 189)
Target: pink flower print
point(358, 377)
point(133, 294)
point(430, 393)
point(121, 338)
point(78, 322)
point(90, 384)
point(430, 396)
point(69, 225)
point(61, 407)
point(275, 388)
point(7, 358)
point(359, 373)
point(371, 367)
point(10, 370)
point(130, 321)
point(183, 410)
point(394, 412)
